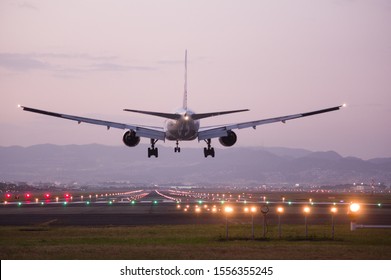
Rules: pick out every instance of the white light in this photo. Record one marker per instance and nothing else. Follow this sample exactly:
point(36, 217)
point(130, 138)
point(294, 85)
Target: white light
point(354, 207)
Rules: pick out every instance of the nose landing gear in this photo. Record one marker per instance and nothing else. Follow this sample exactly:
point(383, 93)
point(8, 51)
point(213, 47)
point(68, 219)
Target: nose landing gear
point(177, 149)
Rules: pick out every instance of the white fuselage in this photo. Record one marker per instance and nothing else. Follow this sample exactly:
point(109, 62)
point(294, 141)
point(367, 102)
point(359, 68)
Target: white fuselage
point(182, 129)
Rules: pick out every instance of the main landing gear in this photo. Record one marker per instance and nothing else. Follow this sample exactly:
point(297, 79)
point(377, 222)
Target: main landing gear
point(177, 149)
point(153, 151)
point(209, 151)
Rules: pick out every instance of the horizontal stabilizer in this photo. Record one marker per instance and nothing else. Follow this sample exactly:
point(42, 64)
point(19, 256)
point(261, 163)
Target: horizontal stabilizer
point(158, 114)
point(214, 114)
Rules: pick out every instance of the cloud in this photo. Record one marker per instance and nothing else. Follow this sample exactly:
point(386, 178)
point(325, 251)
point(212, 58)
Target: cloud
point(21, 62)
point(65, 63)
point(27, 5)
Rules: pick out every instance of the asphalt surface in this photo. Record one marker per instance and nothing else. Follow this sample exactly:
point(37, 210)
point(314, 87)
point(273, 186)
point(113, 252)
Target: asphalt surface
point(126, 214)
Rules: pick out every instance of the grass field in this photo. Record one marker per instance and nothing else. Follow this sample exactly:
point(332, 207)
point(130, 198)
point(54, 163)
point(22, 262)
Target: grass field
point(192, 242)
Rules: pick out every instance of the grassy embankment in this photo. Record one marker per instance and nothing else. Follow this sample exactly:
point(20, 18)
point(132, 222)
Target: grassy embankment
point(192, 242)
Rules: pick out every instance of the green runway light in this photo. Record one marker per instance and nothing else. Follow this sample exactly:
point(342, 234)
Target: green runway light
point(222, 202)
point(154, 202)
point(289, 202)
point(110, 202)
point(19, 203)
point(88, 203)
point(199, 201)
point(65, 203)
point(42, 203)
point(133, 202)
point(379, 204)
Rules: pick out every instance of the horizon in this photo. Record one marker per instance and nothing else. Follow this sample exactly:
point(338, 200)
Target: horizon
point(167, 147)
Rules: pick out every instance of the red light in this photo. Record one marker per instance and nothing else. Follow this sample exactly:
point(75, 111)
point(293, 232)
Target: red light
point(67, 195)
point(28, 195)
point(47, 195)
point(8, 195)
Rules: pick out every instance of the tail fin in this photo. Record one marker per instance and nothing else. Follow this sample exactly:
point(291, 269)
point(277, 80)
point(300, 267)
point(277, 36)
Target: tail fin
point(185, 87)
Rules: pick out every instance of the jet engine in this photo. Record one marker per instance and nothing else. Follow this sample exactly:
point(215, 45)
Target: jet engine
point(229, 140)
point(130, 139)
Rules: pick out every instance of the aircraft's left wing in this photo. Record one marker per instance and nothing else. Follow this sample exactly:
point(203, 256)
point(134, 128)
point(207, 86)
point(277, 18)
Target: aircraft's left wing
point(222, 130)
point(141, 131)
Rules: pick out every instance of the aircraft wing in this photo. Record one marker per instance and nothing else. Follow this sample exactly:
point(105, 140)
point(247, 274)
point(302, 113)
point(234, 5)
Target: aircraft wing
point(141, 131)
point(222, 130)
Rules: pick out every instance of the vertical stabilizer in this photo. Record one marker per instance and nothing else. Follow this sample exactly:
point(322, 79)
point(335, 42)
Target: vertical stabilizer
point(185, 87)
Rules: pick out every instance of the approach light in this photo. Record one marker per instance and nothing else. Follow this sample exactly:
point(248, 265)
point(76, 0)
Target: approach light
point(253, 209)
point(354, 207)
point(280, 210)
point(334, 210)
point(198, 210)
point(306, 210)
point(228, 209)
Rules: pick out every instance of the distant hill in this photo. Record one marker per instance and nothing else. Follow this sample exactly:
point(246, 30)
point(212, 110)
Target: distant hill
point(234, 166)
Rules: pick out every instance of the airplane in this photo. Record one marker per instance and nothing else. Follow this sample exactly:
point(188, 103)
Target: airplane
point(183, 125)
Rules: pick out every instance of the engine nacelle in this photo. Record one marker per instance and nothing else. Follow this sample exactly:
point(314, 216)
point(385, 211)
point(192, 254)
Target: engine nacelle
point(229, 140)
point(130, 139)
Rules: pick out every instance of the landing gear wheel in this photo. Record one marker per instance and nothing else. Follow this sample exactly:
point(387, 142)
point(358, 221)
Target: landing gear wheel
point(209, 151)
point(177, 149)
point(153, 151)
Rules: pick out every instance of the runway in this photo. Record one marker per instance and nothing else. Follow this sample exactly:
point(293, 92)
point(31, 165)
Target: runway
point(140, 207)
point(168, 214)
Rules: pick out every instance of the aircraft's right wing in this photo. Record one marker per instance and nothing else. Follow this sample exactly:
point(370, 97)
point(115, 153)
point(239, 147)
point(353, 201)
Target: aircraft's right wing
point(141, 131)
point(223, 130)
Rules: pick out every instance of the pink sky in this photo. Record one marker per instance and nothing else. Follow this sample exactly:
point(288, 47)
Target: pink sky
point(94, 58)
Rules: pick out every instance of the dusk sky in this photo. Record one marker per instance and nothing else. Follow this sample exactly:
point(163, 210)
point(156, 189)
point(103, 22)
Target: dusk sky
point(94, 58)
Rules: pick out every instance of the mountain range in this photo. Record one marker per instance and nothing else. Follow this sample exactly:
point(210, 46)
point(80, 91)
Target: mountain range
point(95, 163)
